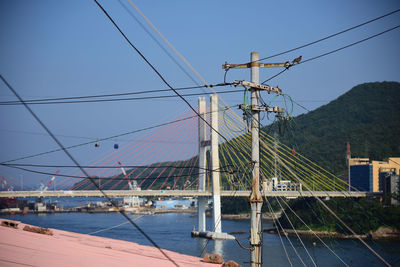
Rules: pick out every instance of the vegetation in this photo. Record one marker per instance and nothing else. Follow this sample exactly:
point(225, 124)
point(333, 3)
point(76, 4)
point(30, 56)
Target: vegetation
point(239, 205)
point(367, 116)
point(362, 215)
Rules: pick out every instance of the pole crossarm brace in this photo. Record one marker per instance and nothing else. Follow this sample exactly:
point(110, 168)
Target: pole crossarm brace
point(275, 109)
point(259, 86)
point(227, 66)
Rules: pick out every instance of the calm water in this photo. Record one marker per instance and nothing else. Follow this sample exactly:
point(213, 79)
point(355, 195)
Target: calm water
point(172, 232)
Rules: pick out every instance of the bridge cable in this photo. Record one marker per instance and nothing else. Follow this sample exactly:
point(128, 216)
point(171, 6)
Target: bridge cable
point(327, 208)
point(157, 72)
point(288, 206)
point(109, 138)
point(83, 171)
point(294, 229)
point(276, 222)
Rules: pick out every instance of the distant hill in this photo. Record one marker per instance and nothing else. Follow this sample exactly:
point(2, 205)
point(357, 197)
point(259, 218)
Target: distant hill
point(367, 116)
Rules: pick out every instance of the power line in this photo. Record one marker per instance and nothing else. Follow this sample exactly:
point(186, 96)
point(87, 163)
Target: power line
point(334, 51)
point(347, 46)
point(159, 74)
point(83, 171)
point(111, 137)
point(276, 75)
point(30, 101)
point(158, 43)
point(107, 178)
point(330, 36)
point(42, 102)
point(109, 167)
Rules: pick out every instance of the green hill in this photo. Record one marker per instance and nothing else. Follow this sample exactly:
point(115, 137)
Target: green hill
point(367, 116)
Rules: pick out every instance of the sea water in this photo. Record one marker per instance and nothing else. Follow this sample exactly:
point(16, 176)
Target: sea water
point(172, 231)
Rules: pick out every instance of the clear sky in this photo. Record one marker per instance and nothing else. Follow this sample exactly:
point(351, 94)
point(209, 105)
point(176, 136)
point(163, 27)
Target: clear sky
point(70, 48)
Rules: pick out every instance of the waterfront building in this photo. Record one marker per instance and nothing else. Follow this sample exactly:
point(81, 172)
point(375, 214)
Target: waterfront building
point(391, 188)
point(366, 175)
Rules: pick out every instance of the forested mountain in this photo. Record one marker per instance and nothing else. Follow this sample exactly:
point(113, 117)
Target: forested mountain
point(367, 116)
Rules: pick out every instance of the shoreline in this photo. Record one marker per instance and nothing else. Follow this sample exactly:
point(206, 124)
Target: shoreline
point(383, 233)
point(139, 211)
point(246, 216)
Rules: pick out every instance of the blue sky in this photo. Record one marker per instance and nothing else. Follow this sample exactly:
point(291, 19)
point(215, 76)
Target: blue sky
point(69, 48)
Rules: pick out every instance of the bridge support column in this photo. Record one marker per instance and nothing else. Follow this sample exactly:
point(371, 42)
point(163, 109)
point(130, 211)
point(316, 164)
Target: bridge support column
point(202, 130)
point(215, 165)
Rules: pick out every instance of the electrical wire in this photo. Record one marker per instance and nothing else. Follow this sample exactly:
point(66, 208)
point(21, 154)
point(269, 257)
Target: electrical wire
point(109, 138)
point(334, 51)
point(326, 207)
point(294, 229)
point(157, 42)
point(58, 101)
point(330, 36)
point(115, 226)
point(104, 178)
point(117, 94)
point(157, 72)
point(349, 45)
point(288, 206)
point(83, 171)
point(107, 167)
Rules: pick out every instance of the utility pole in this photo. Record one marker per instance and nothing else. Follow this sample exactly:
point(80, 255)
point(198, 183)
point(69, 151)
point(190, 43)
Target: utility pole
point(255, 198)
point(215, 165)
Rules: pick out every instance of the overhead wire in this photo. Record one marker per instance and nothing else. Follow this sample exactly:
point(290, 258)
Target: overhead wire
point(333, 51)
point(155, 70)
point(157, 42)
point(328, 209)
point(112, 227)
point(313, 232)
point(176, 52)
point(349, 45)
point(44, 102)
point(294, 229)
point(108, 178)
point(83, 171)
point(116, 94)
point(98, 167)
point(278, 224)
point(330, 36)
point(106, 138)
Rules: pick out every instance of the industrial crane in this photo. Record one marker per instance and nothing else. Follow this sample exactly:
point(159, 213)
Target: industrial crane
point(132, 185)
point(49, 183)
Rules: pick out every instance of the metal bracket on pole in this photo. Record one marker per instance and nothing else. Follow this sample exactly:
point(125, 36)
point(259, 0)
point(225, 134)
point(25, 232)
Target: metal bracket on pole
point(256, 64)
point(259, 86)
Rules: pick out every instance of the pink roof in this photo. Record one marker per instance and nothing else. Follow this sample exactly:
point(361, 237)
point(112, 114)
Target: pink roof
point(22, 248)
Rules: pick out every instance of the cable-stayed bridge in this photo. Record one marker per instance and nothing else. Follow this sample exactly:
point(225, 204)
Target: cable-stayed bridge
point(179, 193)
point(185, 158)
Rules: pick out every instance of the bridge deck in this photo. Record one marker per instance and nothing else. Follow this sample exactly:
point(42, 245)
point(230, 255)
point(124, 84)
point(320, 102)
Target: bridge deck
point(179, 193)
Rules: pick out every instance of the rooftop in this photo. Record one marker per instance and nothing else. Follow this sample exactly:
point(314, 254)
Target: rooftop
point(23, 248)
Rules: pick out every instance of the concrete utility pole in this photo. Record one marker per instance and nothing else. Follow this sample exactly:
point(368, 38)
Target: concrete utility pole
point(215, 165)
point(202, 201)
point(255, 198)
